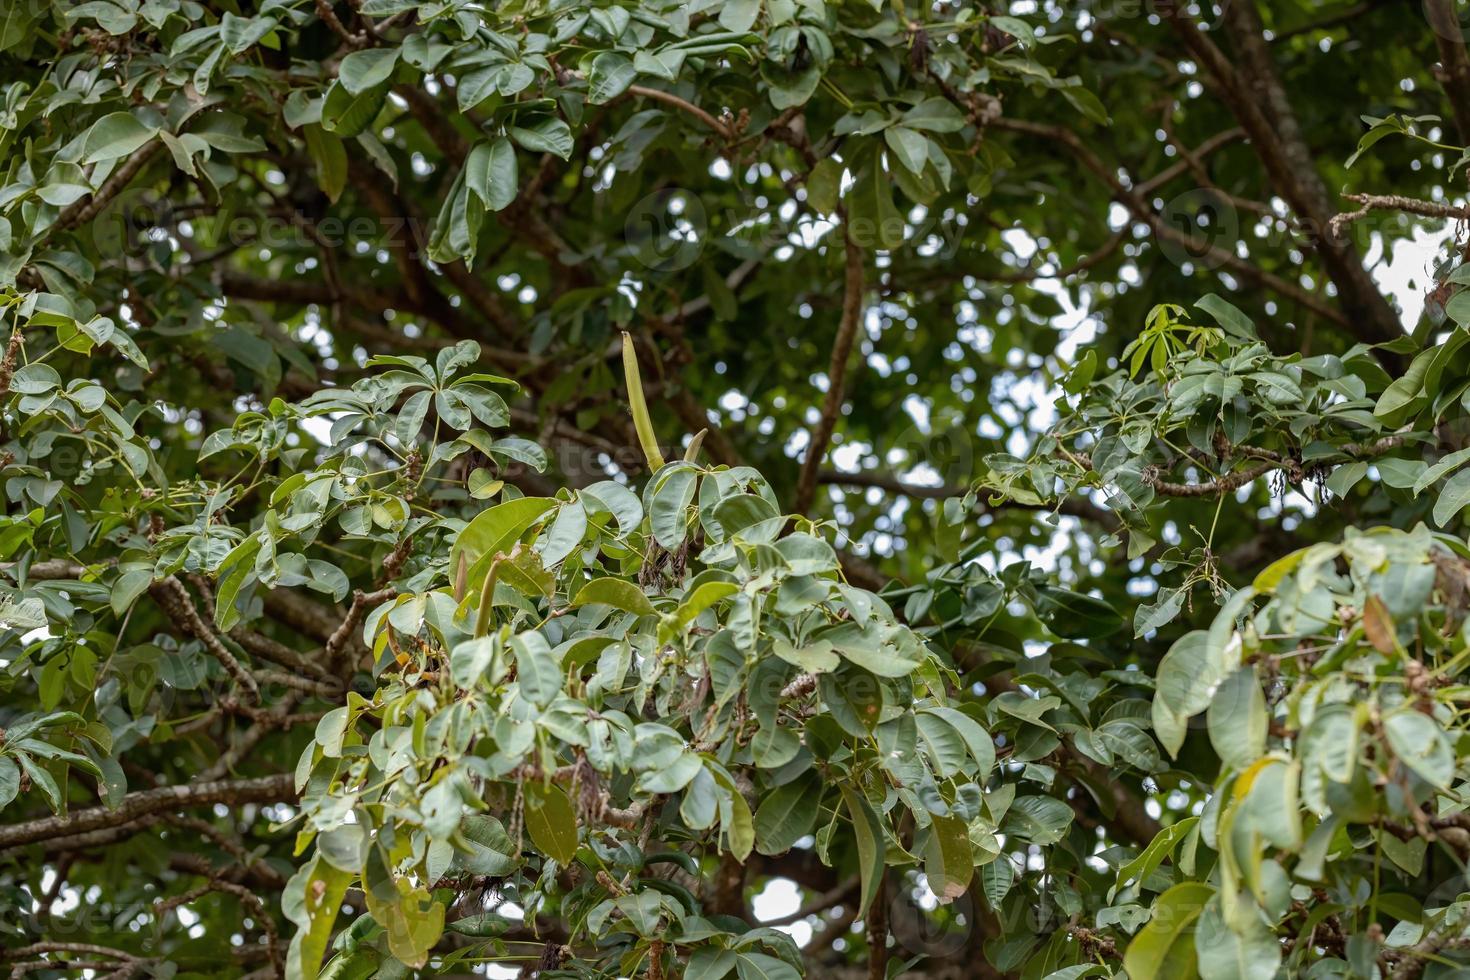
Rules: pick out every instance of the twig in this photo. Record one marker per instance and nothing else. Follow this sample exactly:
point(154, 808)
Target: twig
point(1130, 198)
point(329, 17)
point(174, 600)
point(1396, 202)
point(7, 365)
point(875, 924)
point(1066, 272)
point(361, 601)
point(261, 914)
point(670, 99)
point(817, 905)
point(83, 211)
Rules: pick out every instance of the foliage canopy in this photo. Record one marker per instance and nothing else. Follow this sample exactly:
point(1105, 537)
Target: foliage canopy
point(1061, 570)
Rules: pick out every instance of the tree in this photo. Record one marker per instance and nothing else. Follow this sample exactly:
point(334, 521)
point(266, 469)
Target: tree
point(507, 485)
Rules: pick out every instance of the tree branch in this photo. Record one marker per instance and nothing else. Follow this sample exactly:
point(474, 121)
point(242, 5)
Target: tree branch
point(263, 789)
point(852, 309)
point(1397, 202)
point(1143, 212)
point(1258, 99)
point(83, 211)
point(1453, 70)
point(1072, 507)
point(670, 99)
point(172, 598)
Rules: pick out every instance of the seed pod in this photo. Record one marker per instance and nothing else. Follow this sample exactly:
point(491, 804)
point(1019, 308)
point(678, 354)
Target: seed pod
point(641, 420)
point(692, 453)
point(487, 601)
point(461, 574)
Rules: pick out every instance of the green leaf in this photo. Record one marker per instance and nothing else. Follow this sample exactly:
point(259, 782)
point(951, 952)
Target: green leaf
point(609, 78)
point(1228, 951)
point(759, 966)
point(943, 744)
point(9, 780)
point(873, 219)
point(787, 814)
point(1038, 819)
point(347, 114)
point(814, 658)
point(489, 850)
point(538, 673)
point(551, 822)
point(911, 149)
point(311, 900)
point(618, 593)
point(948, 859)
point(643, 911)
point(367, 69)
point(1453, 498)
point(1227, 315)
point(495, 530)
point(738, 16)
point(976, 738)
point(1419, 743)
point(824, 185)
point(1074, 615)
point(935, 115)
point(868, 649)
point(546, 136)
point(673, 777)
point(490, 174)
point(709, 963)
point(330, 159)
point(115, 135)
point(128, 587)
point(410, 917)
point(1164, 947)
point(1237, 719)
point(1153, 855)
point(331, 730)
point(1271, 801)
point(871, 846)
point(669, 507)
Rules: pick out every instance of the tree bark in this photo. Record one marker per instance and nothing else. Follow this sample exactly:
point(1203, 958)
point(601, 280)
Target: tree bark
point(1256, 96)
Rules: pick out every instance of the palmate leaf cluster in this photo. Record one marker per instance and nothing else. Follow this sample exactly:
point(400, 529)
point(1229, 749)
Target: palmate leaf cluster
point(587, 715)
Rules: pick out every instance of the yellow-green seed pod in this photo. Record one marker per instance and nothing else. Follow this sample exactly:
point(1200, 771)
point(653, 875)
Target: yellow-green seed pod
point(487, 601)
point(461, 576)
point(641, 419)
point(692, 453)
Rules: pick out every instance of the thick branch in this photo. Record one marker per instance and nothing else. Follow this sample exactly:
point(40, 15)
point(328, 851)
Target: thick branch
point(1258, 99)
point(83, 211)
point(264, 789)
point(1453, 70)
